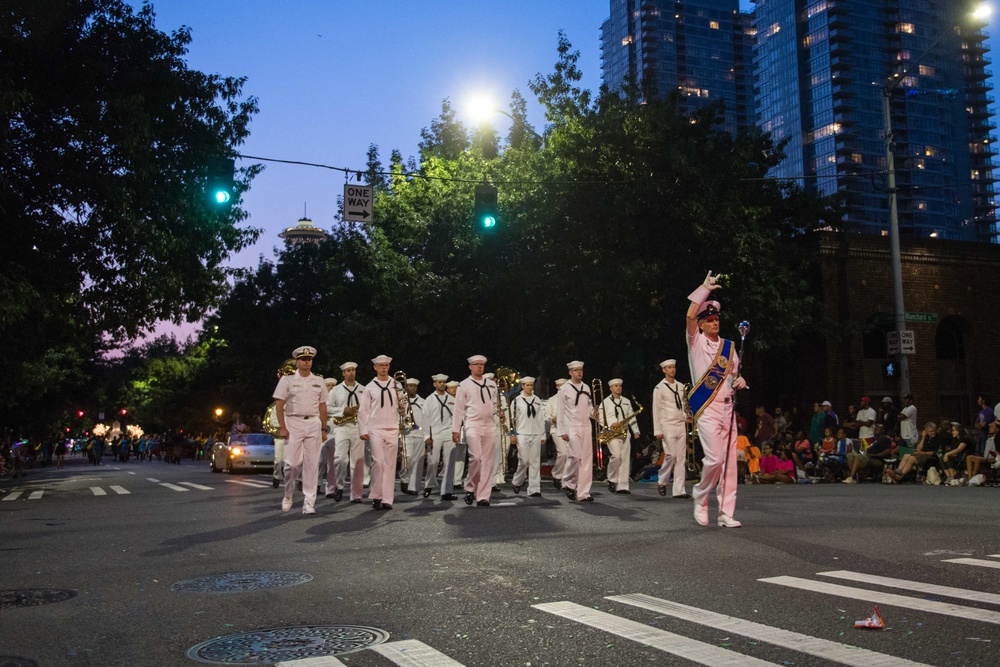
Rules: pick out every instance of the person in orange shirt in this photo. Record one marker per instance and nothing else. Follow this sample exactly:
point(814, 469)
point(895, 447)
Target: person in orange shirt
point(748, 458)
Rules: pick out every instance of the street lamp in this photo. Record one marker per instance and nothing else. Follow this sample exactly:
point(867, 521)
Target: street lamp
point(481, 109)
point(981, 12)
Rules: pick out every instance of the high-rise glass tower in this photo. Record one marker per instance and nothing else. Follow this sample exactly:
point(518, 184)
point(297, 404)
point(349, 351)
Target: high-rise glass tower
point(700, 48)
point(821, 68)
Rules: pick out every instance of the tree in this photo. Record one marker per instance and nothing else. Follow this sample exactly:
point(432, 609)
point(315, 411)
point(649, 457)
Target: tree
point(105, 141)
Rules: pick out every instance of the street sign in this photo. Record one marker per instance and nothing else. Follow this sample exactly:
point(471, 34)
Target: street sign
point(358, 203)
point(892, 342)
point(907, 342)
point(928, 318)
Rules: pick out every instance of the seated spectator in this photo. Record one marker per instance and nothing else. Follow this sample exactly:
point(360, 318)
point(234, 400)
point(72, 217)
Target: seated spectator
point(827, 444)
point(953, 455)
point(804, 456)
point(874, 457)
point(924, 454)
point(988, 456)
point(747, 459)
point(782, 468)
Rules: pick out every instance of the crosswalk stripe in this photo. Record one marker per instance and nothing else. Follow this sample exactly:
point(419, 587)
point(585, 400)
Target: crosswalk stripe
point(318, 661)
point(411, 653)
point(200, 487)
point(822, 648)
point(910, 585)
point(993, 556)
point(692, 649)
point(173, 486)
point(13, 495)
point(253, 484)
point(154, 481)
point(120, 490)
point(98, 491)
point(974, 561)
point(35, 495)
point(931, 606)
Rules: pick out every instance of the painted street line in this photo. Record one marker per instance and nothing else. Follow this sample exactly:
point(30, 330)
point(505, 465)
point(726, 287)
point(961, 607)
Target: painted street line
point(932, 606)
point(411, 653)
point(910, 585)
point(692, 649)
point(319, 661)
point(173, 486)
point(821, 648)
point(120, 490)
point(35, 495)
point(13, 495)
point(253, 484)
point(154, 481)
point(974, 561)
point(98, 491)
point(198, 486)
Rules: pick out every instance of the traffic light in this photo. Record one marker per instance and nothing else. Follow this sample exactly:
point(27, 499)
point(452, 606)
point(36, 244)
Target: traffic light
point(485, 217)
point(124, 411)
point(220, 186)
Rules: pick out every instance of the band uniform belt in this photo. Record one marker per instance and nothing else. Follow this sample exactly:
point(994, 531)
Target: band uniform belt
point(303, 416)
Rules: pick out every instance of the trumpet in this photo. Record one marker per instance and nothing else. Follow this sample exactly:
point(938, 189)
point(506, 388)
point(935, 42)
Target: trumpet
point(609, 433)
point(406, 420)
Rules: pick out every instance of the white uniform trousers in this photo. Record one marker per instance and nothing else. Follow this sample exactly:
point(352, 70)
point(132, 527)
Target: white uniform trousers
point(562, 452)
point(442, 451)
point(618, 466)
point(498, 461)
point(348, 454)
point(416, 454)
point(529, 462)
point(718, 438)
point(482, 454)
point(460, 453)
point(385, 448)
point(579, 461)
point(326, 462)
point(302, 457)
point(278, 474)
point(674, 459)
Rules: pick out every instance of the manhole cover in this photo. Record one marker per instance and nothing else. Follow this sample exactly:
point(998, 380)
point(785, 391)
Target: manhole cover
point(14, 661)
point(238, 582)
point(33, 597)
point(265, 647)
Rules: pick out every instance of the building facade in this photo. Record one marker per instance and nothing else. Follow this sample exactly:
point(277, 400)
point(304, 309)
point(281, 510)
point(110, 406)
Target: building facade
point(821, 71)
point(702, 49)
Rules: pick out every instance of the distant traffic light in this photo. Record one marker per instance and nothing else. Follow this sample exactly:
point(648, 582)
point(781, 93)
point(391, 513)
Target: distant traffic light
point(79, 413)
point(485, 216)
point(124, 411)
point(221, 183)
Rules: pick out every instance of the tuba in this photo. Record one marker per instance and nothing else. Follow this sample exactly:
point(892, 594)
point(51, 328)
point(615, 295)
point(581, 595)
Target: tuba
point(506, 379)
point(406, 420)
point(270, 420)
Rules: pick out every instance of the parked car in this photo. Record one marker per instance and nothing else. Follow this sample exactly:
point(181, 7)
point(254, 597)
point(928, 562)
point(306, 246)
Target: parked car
point(243, 451)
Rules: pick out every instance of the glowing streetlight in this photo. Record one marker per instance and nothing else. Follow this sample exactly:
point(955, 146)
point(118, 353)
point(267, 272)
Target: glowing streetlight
point(218, 412)
point(983, 11)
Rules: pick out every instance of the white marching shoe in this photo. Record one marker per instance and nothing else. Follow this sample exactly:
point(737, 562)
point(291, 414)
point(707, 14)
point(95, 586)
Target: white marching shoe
point(701, 515)
point(727, 521)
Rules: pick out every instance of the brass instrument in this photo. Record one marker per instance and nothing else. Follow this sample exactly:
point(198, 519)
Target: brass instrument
point(609, 433)
point(692, 432)
point(270, 420)
point(603, 431)
point(406, 421)
point(345, 419)
point(506, 379)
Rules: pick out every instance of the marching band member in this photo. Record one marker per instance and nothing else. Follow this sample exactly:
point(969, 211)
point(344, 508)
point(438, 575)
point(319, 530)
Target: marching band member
point(439, 408)
point(529, 430)
point(714, 362)
point(576, 409)
point(300, 406)
point(670, 426)
point(461, 451)
point(475, 405)
point(326, 451)
point(614, 410)
point(552, 413)
point(416, 449)
point(378, 421)
point(349, 448)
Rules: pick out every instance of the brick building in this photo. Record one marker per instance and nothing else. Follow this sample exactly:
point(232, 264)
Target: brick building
point(950, 292)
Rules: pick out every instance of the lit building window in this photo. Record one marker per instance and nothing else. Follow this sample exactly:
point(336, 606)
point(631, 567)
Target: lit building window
point(930, 151)
point(910, 81)
point(856, 158)
point(773, 29)
point(627, 40)
point(714, 25)
point(920, 205)
point(926, 70)
point(919, 163)
point(905, 27)
point(903, 55)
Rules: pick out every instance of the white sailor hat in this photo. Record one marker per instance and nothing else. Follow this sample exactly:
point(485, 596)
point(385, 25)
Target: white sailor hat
point(668, 362)
point(561, 381)
point(348, 364)
point(527, 378)
point(477, 359)
point(613, 382)
point(382, 359)
point(489, 376)
point(332, 381)
point(413, 381)
point(440, 377)
point(573, 365)
point(304, 351)
point(453, 383)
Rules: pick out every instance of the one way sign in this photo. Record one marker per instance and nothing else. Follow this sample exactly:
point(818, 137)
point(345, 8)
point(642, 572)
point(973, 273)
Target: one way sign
point(357, 203)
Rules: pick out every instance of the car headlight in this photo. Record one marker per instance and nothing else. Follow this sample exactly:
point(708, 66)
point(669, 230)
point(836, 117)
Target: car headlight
point(236, 451)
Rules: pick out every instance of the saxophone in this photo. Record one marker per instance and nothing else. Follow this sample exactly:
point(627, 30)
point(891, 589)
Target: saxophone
point(609, 433)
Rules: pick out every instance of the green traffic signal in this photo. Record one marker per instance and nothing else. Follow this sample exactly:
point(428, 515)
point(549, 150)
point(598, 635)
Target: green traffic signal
point(488, 221)
point(485, 213)
point(221, 181)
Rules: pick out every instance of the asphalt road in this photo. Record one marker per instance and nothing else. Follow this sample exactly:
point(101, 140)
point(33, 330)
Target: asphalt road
point(525, 582)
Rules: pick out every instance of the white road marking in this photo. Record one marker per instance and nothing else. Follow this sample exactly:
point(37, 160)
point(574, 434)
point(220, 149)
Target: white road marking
point(35, 495)
point(154, 481)
point(932, 606)
point(13, 495)
point(910, 585)
point(411, 653)
point(174, 486)
point(821, 648)
point(692, 649)
point(319, 661)
point(130, 472)
point(121, 491)
point(200, 487)
point(98, 491)
point(993, 556)
point(253, 484)
point(974, 561)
